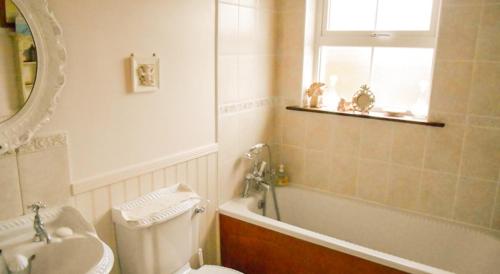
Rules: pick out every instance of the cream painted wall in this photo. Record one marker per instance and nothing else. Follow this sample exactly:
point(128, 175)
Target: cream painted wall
point(108, 127)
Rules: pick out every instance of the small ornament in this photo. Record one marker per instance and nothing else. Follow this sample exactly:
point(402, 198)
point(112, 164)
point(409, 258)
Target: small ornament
point(363, 100)
point(344, 105)
point(315, 91)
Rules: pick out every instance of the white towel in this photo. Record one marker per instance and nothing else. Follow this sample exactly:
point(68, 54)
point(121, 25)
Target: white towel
point(157, 202)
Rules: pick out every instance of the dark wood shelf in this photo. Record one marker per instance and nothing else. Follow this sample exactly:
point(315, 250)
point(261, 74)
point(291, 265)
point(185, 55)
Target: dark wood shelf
point(372, 115)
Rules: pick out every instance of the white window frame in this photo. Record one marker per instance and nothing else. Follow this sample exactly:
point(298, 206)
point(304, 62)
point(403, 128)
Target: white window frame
point(411, 39)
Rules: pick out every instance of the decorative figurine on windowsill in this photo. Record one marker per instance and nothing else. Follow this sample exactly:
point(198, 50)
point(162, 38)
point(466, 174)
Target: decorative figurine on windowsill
point(315, 92)
point(363, 100)
point(344, 105)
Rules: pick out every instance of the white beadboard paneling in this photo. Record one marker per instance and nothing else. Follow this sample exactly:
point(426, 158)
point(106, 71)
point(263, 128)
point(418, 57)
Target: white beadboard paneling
point(170, 175)
point(158, 179)
point(200, 173)
point(132, 188)
point(192, 174)
point(85, 204)
point(117, 193)
point(101, 200)
point(142, 168)
point(181, 173)
point(212, 246)
point(146, 183)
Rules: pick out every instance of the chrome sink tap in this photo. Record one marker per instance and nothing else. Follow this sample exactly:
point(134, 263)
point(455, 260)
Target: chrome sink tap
point(41, 233)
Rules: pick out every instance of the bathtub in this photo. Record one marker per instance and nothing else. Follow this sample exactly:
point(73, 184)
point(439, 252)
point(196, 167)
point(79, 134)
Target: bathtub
point(392, 238)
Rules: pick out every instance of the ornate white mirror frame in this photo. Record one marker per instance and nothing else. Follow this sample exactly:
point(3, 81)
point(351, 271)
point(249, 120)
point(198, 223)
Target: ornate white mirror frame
point(50, 78)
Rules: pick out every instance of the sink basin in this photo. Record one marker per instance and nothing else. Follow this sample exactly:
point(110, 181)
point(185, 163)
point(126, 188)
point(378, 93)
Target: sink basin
point(78, 250)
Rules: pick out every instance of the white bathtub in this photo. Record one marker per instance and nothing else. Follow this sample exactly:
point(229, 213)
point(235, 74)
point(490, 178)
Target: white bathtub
point(394, 238)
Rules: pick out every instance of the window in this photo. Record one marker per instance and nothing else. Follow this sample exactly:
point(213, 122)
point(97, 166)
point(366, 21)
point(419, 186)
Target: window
point(387, 44)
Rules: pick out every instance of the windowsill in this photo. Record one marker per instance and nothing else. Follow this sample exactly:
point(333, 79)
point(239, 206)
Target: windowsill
point(371, 115)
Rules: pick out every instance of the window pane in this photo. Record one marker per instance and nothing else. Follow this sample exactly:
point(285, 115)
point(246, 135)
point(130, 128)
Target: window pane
point(404, 14)
point(346, 15)
point(400, 76)
point(392, 15)
point(345, 69)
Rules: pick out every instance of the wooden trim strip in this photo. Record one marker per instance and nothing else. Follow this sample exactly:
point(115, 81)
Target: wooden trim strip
point(141, 168)
point(408, 120)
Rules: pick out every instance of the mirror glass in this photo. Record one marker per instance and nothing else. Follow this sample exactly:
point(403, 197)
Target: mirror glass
point(18, 60)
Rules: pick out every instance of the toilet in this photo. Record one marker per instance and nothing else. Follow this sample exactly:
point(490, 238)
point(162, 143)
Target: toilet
point(158, 233)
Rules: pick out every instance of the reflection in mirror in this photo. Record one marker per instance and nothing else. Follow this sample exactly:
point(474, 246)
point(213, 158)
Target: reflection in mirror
point(18, 60)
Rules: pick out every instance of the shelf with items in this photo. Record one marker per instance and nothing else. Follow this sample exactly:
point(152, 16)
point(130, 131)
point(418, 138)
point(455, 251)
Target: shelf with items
point(371, 115)
point(26, 63)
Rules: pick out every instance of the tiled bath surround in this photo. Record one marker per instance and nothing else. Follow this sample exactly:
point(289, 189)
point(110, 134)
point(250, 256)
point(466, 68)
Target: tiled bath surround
point(451, 172)
point(247, 33)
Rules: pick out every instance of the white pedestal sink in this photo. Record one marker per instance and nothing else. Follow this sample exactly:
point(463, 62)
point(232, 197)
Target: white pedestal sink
point(79, 250)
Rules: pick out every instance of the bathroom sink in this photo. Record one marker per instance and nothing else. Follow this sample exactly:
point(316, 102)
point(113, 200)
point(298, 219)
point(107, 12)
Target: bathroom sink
point(74, 247)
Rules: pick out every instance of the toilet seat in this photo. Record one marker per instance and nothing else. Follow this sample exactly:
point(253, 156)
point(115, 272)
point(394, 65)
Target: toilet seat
point(214, 269)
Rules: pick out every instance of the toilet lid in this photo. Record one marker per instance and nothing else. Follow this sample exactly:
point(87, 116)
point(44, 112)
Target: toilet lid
point(214, 269)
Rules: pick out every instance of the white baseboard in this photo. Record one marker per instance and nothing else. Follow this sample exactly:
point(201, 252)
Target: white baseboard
point(121, 174)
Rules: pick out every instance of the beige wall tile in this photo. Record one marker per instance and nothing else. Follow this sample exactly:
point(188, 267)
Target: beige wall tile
point(481, 156)
point(247, 30)
point(229, 133)
point(288, 5)
point(462, 2)
point(444, 148)
point(437, 193)
point(227, 79)
point(376, 140)
point(247, 76)
point(294, 159)
point(267, 31)
point(451, 86)
point(496, 213)
point(289, 76)
point(372, 180)
point(268, 4)
point(488, 41)
point(458, 31)
point(10, 190)
point(475, 201)
point(231, 178)
point(343, 174)
point(346, 135)
point(485, 95)
point(317, 169)
point(319, 132)
point(294, 131)
point(44, 176)
point(404, 186)
point(408, 144)
point(291, 33)
point(234, 2)
point(228, 29)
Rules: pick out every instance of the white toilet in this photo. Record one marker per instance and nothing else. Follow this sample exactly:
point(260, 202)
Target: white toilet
point(158, 233)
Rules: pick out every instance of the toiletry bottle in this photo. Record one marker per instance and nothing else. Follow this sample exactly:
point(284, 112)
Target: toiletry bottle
point(282, 179)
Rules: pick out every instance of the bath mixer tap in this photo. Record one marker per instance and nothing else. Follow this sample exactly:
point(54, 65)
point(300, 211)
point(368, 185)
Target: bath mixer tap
point(262, 176)
point(41, 233)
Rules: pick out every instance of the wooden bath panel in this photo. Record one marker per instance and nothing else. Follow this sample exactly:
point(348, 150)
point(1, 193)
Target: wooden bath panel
point(253, 249)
